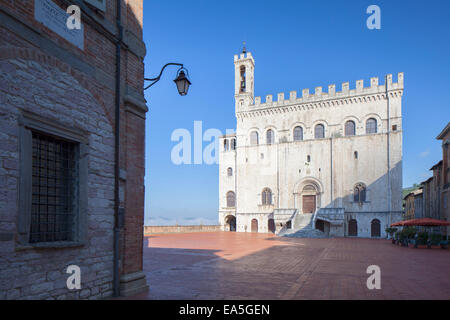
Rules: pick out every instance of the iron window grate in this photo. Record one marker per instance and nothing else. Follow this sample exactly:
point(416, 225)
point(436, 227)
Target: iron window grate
point(54, 172)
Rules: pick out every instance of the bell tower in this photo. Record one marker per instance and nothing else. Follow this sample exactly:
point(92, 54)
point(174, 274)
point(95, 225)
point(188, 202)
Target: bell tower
point(244, 70)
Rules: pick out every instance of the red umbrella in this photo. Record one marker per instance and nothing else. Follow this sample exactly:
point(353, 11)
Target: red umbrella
point(424, 222)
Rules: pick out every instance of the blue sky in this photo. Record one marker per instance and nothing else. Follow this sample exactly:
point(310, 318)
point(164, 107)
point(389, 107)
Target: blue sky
point(296, 44)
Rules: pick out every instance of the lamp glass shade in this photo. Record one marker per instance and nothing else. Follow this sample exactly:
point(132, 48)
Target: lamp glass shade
point(182, 83)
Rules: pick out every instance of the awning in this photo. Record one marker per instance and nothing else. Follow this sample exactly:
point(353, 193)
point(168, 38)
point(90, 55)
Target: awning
point(424, 222)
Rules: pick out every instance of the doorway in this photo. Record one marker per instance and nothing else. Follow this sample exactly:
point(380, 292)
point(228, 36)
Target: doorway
point(309, 204)
point(254, 225)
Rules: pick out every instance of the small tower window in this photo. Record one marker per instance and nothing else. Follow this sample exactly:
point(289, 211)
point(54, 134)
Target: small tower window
point(355, 154)
point(230, 172)
point(242, 86)
point(225, 145)
point(233, 144)
point(308, 158)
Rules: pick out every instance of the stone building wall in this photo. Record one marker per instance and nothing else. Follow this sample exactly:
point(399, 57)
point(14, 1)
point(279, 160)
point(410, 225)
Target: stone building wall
point(334, 164)
point(45, 78)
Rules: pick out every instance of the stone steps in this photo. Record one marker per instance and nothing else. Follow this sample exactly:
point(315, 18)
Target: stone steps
point(303, 227)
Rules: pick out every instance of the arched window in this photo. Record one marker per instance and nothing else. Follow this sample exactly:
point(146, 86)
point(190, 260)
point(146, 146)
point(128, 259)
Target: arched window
point(350, 128)
point(229, 172)
point(254, 138)
point(298, 133)
point(233, 144)
point(242, 86)
point(231, 199)
point(359, 193)
point(225, 145)
point(270, 136)
point(319, 131)
point(371, 126)
point(266, 196)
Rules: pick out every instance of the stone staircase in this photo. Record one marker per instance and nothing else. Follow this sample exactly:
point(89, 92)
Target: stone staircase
point(303, 227)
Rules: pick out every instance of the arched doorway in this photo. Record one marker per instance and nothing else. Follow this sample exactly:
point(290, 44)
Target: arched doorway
point(353, 228)
point(375, 228)
point(307, 194)
point(271, 225)
point(254, 225)
point(230, 222)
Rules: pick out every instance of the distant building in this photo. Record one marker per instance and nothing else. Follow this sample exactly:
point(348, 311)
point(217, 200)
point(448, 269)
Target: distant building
point(436, 193)
point(325, 160)
point(62, 201)
point(445, 171)
point(414, 205)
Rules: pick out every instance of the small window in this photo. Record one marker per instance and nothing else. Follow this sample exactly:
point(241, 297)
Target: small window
point(266, 196)
point(298, 133)
point(242, 85)
point(230, 172)
point(270, 136)
point(254, 138)
point(355, 154)
point(231, 199)
point(371, 126)
point(319, 131)
point(350, 128)
point(394, 127)
point(233, 144)
point(225, 145)
point(308, 158)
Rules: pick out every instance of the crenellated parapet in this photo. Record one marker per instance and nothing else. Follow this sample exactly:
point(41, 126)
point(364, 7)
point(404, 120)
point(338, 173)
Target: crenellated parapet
point(319, 96)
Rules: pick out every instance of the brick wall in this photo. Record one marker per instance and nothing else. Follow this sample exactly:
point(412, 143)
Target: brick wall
point(43, 74)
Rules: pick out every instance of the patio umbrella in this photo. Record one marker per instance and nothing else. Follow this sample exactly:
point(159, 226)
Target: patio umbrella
point(424, 222)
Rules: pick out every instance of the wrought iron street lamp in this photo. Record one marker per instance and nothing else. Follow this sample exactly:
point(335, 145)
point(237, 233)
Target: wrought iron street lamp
point(181, 80)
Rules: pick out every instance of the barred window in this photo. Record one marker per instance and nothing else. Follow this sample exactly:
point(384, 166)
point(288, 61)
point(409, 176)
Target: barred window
point(350, 128)
point(54, 189)
point(298, 133)
point(371, 126)
point(319, 131)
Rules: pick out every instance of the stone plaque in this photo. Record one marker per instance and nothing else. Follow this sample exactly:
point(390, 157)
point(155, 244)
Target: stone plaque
point(53, 17)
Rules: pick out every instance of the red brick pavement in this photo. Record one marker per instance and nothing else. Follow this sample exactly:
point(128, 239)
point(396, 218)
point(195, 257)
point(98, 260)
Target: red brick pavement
point(228, 265)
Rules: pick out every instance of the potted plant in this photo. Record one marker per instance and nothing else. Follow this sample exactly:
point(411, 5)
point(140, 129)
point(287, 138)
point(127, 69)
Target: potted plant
point(434, 240)
point(422, 238)
point(391, 232)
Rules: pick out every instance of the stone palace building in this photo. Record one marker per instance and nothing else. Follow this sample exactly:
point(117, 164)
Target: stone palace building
point(328, 161)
